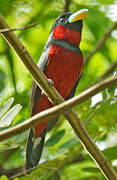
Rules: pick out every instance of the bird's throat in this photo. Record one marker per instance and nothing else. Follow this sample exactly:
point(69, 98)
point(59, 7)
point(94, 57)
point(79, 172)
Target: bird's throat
point(67, 34)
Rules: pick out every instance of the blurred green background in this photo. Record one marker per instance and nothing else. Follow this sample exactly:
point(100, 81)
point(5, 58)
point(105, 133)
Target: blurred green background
point(63, 156)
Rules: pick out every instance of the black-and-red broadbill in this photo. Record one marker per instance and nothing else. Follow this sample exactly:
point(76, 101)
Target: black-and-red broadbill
point(62, 62)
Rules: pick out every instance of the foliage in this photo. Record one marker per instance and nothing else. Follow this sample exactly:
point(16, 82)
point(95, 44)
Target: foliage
point(8, 117)
point(63, 156)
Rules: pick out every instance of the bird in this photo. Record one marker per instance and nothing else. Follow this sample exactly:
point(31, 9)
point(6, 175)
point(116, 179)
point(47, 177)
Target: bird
point(62, 63)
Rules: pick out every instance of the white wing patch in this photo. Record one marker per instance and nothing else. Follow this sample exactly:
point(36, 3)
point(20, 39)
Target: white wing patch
point(37, 141)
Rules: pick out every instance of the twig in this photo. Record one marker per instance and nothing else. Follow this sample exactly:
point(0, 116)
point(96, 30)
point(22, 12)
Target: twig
point(103, 76)
point(57, 110)
point(16, 172)
point(18, 28)
point(32, 169)
point(68, 159)
point(10, 172)
point(67, 5)
point(39, 11)
point(109, 70)
point(55, 98)
point(100, 43)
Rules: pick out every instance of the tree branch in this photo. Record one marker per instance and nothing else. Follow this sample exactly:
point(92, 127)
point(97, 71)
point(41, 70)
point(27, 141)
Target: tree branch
point(100, 43)
point(109, 70)
point(55, 98)
point(68, 159)
point(103, 76)
point(67, 5)
point(18, 28)
point(58, 109)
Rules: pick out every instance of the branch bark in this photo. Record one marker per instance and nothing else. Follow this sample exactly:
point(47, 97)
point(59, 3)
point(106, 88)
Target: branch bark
point(109, 70)
point(103, 76)
point(100, 43)
point(55, 98)
point(67, 5)
point(18, 28)
point(58, 109)
point(70, 157)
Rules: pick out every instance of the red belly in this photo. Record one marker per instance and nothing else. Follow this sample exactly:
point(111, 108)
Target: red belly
point(64, 69)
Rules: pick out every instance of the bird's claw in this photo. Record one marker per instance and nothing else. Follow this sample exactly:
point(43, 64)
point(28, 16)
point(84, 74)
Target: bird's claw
point(50, 82)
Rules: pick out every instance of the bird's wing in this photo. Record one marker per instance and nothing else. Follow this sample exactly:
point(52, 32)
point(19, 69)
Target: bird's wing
point(36, 91)
point(35, 145)
point(71, 94)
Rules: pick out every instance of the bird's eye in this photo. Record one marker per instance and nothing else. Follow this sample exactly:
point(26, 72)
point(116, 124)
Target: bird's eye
point(62, 20)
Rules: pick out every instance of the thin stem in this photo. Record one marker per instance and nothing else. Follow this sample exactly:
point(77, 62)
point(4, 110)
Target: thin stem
point(57, 110)
point(18, 28)
point(103, 76)
point(100, 43)
point(109, 70)
point(67, 5)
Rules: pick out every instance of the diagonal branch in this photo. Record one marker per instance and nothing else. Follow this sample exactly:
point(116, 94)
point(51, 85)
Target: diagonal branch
point(18, 28)
point(55, 98)
point(109, 70)
point(100, 42)
point(58, 109)
point(103, 76)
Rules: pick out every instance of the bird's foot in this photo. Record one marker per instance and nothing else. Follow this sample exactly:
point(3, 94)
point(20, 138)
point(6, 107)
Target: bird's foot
point(50, 82)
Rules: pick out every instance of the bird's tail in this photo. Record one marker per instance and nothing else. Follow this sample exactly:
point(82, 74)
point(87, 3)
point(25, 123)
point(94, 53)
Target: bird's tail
point(34, 149)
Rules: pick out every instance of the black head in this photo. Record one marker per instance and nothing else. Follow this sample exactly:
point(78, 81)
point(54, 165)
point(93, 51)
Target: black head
point(71, 20)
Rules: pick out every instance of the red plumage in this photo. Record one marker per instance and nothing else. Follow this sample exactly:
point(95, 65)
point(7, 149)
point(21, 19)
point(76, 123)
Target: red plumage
point(62, 62)
point(63, 69)
point(71, 36)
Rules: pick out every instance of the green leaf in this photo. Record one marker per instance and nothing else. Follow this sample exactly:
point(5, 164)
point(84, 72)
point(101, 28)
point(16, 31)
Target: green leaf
point(4, 108)
point(15, 159)
point(3, 177)
point(2, 80)
point(21, 137)
point(70, 143)
point(55, 138)
point(91, 169)
point(111, 153)
point(9, 116)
